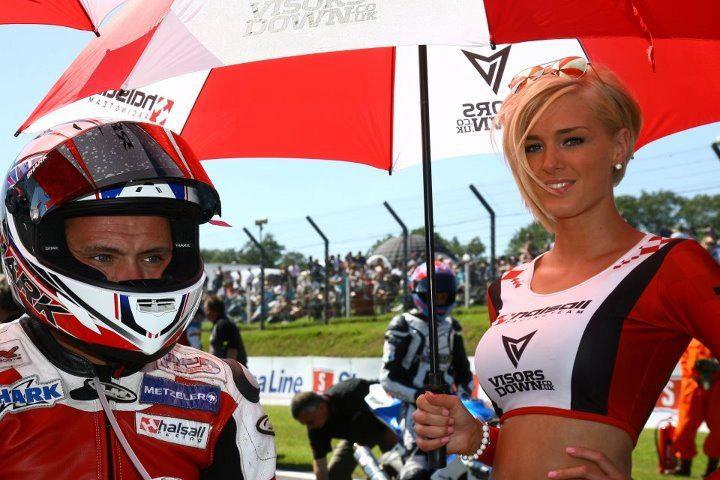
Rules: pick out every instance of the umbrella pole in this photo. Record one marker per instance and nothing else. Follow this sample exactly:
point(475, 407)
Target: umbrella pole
point(436, 458)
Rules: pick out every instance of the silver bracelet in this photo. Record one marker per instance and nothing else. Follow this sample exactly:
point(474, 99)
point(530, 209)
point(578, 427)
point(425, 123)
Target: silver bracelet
point(484, 443)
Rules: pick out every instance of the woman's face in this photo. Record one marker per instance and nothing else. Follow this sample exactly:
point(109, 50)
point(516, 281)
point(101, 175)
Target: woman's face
point(574, 156)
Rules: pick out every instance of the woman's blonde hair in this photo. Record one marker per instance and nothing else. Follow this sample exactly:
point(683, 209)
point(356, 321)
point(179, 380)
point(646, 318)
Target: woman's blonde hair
point(611, 101)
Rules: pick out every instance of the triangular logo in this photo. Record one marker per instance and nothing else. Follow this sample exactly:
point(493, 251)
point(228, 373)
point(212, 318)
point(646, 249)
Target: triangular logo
point(516, 347)
point(490, 68)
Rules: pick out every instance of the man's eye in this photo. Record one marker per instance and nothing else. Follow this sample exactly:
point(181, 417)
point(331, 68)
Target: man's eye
point(572, 141)
point(533, 148)
point(154, 259)
point(102, 258)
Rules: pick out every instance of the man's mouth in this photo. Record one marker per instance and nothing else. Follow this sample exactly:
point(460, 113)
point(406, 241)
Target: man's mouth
point(560, 186)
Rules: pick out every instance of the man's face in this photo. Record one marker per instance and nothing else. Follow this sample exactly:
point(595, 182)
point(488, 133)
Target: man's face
point(121, 247)
point(315, 417)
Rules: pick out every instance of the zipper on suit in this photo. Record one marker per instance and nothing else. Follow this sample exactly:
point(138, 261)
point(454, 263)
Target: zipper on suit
point(108, 440)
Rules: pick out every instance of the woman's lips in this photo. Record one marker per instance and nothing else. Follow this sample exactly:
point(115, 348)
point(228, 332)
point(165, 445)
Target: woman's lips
point(560, 186)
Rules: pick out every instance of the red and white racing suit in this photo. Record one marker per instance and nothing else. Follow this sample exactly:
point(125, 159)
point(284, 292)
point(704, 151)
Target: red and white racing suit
point(187, 416)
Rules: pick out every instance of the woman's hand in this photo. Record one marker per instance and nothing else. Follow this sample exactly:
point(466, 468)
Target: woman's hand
point(443, 420)
point(608, 469)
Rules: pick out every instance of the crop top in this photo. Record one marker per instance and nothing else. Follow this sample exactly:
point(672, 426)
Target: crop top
point(604, 349)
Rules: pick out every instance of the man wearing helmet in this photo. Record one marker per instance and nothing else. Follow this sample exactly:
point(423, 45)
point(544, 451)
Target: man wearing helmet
point(99, 237)
point(406, 355)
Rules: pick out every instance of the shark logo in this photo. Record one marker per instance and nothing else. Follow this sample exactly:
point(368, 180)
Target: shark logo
point(495, 66)
point(29, 393)
point(516, 347)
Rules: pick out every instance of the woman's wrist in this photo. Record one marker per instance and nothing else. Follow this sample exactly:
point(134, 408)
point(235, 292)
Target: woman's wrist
point(480, 433)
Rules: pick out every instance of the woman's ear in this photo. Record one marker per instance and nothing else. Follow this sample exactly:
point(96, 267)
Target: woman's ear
point(622, 152)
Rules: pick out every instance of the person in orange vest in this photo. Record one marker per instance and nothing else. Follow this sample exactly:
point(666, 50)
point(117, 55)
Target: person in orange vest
point(699, 401)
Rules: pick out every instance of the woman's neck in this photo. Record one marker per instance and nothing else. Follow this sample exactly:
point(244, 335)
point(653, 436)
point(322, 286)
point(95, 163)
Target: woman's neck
point(593, 234)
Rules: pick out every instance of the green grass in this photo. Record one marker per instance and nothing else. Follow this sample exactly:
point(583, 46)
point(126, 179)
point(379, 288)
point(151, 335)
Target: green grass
point(343, 337)
point(294, 450)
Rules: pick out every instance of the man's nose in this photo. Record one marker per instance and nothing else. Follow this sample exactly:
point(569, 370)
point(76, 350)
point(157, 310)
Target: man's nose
point(127, 270)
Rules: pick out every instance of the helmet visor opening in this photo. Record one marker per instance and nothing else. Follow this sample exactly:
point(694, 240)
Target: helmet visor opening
point(445, 290)
point(185, 265)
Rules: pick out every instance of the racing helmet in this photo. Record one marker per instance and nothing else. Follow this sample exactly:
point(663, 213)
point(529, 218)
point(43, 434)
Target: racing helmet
point(93, 168)
point(445, 288)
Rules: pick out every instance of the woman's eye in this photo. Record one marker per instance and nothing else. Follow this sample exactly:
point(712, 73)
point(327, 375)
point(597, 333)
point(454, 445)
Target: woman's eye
point(533, 148)
point(573, 141)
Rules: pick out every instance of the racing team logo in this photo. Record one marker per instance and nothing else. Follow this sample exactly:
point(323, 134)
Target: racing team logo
point(12, 355)
point(490, 68)
point(188, 365)
point(158, 390)
point(173, 430)
point(113, 391)
point(264, 426)
point(29, 393)
point(515, 347)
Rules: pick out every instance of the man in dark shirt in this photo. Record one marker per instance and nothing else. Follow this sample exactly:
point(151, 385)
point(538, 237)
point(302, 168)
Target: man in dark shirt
point(225, 340)
point(343, 414)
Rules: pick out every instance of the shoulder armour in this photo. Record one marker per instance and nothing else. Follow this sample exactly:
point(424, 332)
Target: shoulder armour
point(245, 381)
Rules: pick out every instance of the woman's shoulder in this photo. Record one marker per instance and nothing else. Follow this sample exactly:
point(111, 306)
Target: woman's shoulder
point(686, 257)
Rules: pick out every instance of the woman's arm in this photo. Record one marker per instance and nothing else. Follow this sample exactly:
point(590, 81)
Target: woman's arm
point(442, 420)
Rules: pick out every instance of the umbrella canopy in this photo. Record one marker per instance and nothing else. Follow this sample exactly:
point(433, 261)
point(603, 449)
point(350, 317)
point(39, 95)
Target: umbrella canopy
point(392, 248)
point(79, 14)
point(279, 108)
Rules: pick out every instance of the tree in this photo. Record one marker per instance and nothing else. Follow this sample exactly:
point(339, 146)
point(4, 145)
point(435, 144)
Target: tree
point(702, 211)
point(659, 210)
point(273, 250)
point(215, 255)
point(293, 257)
point(629, 208)
point(534, 232)
point(475, 247)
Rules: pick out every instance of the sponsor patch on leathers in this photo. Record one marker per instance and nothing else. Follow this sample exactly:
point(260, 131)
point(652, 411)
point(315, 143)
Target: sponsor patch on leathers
point(173, 430)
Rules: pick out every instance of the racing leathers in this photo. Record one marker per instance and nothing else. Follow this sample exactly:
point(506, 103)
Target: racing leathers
point(406, 364)
point(188, 415)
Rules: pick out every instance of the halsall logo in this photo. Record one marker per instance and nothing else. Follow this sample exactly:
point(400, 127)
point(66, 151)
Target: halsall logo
point(174, 430)
point(490, 68)
point(516, 347)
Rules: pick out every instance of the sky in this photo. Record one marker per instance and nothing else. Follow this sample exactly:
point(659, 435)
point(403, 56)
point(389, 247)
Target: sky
point(344, 199)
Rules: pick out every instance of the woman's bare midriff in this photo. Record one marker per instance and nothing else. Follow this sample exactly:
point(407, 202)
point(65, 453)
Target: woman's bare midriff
point(530, 446)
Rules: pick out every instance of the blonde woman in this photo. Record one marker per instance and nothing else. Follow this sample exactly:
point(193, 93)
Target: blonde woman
point(583, 338)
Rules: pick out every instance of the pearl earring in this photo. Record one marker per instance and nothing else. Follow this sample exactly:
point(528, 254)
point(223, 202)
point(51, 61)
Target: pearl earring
point(618, 166)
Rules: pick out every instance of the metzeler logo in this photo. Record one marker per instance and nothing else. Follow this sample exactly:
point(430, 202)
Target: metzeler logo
point(173, 430)
point(567, 308)
point(135, 103)
point(273, 16)
point(515, 347)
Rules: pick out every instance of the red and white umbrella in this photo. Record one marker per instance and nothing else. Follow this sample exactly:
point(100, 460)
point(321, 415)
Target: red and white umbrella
point(196, 67)
point(79, 14)
point(228, 108)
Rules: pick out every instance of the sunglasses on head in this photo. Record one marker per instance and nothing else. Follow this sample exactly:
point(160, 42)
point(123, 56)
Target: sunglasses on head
point(572, 67)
